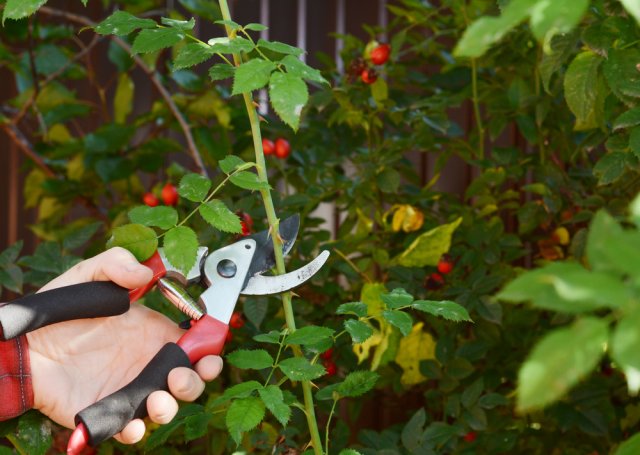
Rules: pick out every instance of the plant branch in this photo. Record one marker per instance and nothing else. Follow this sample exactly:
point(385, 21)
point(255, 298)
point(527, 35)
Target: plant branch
point(25, 147)
point(186, 129)
point(274, 224)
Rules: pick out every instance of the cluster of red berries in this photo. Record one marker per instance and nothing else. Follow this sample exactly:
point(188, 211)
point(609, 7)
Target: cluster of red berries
point(359, 68)
point(169, 196)
point(436, 279)
point(279, 148)
point(328, 363)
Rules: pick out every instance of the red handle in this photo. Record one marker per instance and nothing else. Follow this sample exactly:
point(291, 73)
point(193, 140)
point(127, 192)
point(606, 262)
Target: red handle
point(157, 266)
point(205, 337)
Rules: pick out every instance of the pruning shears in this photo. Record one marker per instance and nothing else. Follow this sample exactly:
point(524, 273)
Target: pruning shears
point(226, 273)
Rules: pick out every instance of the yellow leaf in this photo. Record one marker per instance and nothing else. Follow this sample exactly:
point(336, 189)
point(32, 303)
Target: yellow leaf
point(362, 350)
point(418, 345)
point(33, 188)
point(123, 100)
point(562, 236)
point(59, 134)
point(428, 247)
point(370, 296)
point(75, 168)
point(406, 217)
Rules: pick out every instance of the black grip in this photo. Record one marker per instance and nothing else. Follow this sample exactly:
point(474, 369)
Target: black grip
point(110, 415)
point(78, 301)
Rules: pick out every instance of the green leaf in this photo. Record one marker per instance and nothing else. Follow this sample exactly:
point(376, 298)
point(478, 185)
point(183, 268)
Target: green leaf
point(229, 23)
point(620, 71)
point(221, 71)
point(196, 426)
point(160, 436)
point(310, 335)
point(579, 83)
point(633, 8)
point(349, 452)
point(252, 75)
point(273, 399)
point(224, 45)
point(255, 27)
point(428, 247)
point(246, 359)
point(242, 390)
point(359, 331)
point(610, 167)
point(357, 308)
point(140, 240)
point(288, 94)
point(300, 369)
point(549, 18)
point(388, 180)
point(561, 359)
point(194, 187)
point(397, 298)
point(231, 163)
point(566, 287)
point(155, 40)
point(297, 67)
point(34, 434)
point(610, 249)
point(179, 24)
point(624, 349)
point(162, 216)
point(280, 48)
point(10, 254)
point(244, 415)
point(628, 119)
point(17, 9)
point(181, 247)
point(358, 383)
point(272, 337)
point(444, 309)
point(486, 31)
point(192, 54)
point(218, 215)
point(122, 23)
point(401, 320)
point(255, 310)
point(248, 181)
point(632, 445)
point(560, 49)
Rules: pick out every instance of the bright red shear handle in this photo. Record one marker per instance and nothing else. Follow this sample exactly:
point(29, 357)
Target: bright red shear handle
point(157, 266)
point(206, 336)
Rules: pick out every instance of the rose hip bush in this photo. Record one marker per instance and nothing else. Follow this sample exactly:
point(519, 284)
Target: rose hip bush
point(408, 336)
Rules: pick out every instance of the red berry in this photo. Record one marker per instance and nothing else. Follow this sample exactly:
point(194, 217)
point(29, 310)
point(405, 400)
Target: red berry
point(246, 222)
point(470, 436)
point(236, 321)
point(268, 147)
point(150, 199)
point(445, 266)
point(283, 149)
point(326, 355)
point(369, 76)
point(331, 367)
point(169, 194)
point(434, 281)
point(380, 54)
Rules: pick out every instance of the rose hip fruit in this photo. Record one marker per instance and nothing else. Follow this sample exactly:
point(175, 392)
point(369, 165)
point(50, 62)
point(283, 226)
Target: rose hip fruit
point(283, 149)
point(268, 147)
point(150, 199)
point(380, 54)
point(169, 194)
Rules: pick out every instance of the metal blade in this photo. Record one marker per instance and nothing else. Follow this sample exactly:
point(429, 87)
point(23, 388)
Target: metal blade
point(264, 258)
point(265, 285)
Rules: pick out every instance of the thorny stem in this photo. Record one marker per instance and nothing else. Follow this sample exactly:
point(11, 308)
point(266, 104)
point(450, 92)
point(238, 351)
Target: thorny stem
point(326, 431)
point(277, 241)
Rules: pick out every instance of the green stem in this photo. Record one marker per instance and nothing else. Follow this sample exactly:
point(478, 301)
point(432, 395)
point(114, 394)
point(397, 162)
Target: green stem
point(326, 431)
point(16, 444)
point(476, 107)
point(274, 223)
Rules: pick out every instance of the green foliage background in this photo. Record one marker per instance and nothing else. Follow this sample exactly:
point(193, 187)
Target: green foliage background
point(552, 377)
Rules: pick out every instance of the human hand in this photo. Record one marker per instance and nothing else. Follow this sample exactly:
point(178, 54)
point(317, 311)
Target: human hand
point(76, 363)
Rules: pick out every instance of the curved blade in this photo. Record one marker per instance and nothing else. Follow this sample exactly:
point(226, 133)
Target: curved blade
point(264, 258)
point(265, 285)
